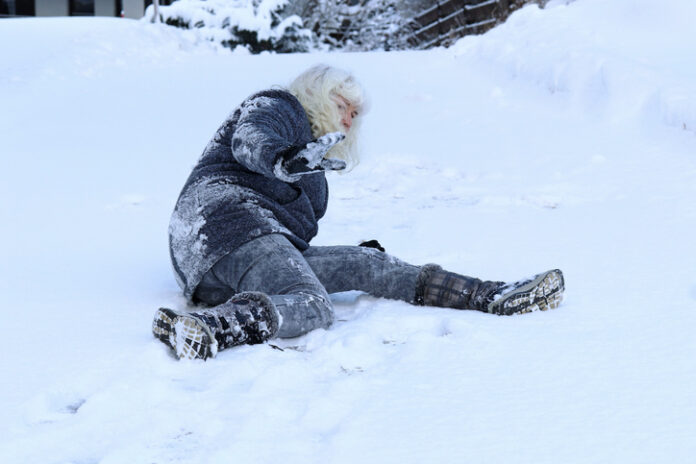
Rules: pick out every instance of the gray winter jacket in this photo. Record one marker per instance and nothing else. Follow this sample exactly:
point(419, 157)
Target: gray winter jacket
point(233, 196)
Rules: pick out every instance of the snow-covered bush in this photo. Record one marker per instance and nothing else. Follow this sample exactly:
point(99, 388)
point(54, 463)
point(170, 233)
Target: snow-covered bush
point(257, 25)
point(356, 24)
point(300, 25)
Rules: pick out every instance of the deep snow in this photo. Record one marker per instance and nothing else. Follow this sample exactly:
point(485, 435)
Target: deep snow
point(564, 138)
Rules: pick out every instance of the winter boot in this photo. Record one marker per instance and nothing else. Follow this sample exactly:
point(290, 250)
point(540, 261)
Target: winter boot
point(437, 287)
point(246, 318)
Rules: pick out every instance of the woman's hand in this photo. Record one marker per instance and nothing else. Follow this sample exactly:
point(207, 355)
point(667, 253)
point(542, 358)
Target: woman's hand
point(312, 155)
point(311, 159)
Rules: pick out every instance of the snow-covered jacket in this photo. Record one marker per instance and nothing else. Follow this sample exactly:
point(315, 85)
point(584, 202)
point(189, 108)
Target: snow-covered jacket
point(233, 196)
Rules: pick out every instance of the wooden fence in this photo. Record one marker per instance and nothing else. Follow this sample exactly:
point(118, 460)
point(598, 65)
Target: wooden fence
point(448, 20)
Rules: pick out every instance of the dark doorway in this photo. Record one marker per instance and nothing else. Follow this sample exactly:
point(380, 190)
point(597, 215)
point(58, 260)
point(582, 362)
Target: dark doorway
point(7, 8)
point(81, 7)
point(17, 8)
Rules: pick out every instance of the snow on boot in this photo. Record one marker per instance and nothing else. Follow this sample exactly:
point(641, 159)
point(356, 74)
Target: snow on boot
point(539, 293)
point(437, 287)
point(246, 318)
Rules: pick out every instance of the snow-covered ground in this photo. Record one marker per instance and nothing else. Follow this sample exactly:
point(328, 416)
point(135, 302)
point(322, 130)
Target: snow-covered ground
point(564, 138)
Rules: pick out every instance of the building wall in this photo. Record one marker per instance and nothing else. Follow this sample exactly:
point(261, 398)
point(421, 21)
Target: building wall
point(133, 8)
point(52, 8)
point(104, 7)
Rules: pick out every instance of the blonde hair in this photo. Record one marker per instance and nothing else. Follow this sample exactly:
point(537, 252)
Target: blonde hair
point(316, 89)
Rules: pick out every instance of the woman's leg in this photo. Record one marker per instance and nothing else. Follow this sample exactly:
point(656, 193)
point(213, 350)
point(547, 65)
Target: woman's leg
point(268, 279)
point(273, 266)
point(343, 268)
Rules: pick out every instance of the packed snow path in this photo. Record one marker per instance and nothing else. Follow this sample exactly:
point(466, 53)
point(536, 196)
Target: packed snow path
point(538, 145)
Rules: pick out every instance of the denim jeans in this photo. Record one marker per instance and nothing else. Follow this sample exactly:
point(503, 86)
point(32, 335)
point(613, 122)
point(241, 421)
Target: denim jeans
point(299, 283)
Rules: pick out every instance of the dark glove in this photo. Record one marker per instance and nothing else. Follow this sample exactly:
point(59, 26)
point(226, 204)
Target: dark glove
point(372, 244)
point(310, 159)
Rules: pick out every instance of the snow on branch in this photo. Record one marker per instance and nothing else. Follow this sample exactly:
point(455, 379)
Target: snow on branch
point(257, 25)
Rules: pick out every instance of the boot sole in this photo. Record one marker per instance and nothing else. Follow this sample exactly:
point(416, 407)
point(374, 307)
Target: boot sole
point(542, 293)
point(186, 335)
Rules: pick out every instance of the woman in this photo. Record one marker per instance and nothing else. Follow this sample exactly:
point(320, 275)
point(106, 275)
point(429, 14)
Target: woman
point(239, 235)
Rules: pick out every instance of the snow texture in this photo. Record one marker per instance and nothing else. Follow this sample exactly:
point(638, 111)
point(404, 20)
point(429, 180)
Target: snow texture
point(563, 138)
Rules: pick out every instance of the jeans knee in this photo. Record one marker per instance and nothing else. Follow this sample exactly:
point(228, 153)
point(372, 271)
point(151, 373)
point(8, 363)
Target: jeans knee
point(302, 312)
point(324, 309)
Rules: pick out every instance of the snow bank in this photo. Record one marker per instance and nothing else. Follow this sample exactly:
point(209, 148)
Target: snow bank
point(77, 47)
point(622, 59)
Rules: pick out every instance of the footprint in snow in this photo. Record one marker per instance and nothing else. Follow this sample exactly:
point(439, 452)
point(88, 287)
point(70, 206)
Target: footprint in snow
point(130, 200)
point(48, 408)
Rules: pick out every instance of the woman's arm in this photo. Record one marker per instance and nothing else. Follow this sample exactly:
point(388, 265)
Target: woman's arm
point(269, 140)
point(268, 129)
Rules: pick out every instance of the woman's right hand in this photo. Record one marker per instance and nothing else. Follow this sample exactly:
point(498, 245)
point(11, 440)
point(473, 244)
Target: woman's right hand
point(311, 158)
point(314, 152)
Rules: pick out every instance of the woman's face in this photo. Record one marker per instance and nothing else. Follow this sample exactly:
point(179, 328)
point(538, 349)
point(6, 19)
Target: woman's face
point(347, 110)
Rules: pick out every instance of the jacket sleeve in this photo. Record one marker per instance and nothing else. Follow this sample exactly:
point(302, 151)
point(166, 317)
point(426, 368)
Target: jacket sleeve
point(267, 130)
